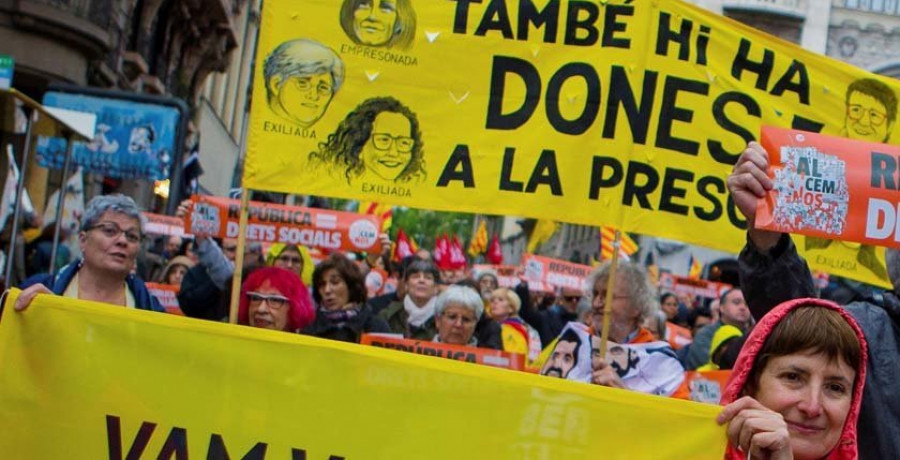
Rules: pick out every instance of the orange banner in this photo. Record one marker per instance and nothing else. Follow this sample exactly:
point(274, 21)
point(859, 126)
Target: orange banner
point(159, 224)
point(830, 187)
point(167, 296)
point(555, 272)
point(508, 277)
point(684, 286)
point(706, 386)
point(275, 223)
point(486, 356)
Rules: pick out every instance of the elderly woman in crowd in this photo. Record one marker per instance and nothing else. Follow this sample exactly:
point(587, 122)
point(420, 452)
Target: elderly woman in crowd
point(518, 336)
point(796, 388)
point(275, 298)
point(340, 292)
point(414, 315)
point(456, 312)
point(110, 237)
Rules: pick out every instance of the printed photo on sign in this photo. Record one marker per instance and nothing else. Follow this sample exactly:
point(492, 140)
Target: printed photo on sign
point(205, 220)
point(379, 23)
point(302, 77)
point(379, 140)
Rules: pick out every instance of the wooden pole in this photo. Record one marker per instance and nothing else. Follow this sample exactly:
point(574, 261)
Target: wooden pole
point(607, 304)
point(239, 257)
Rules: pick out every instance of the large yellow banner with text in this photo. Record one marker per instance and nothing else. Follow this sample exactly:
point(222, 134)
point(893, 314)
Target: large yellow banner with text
point(602, 113)
point(85, 380)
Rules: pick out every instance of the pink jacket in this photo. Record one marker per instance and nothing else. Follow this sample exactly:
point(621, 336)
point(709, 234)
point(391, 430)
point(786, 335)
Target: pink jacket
point(846, 447)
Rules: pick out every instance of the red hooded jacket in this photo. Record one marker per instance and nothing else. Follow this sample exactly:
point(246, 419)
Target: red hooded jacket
point(846, 446)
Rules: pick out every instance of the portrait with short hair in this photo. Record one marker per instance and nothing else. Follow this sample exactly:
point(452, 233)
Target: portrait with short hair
point(302, 77)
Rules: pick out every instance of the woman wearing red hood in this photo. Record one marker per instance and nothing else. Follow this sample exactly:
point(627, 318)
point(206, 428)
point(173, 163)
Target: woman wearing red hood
point(796, 387)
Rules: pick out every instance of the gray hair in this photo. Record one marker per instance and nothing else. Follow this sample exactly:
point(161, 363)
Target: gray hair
point(303, 58)
point(116, 203)
point(892, 260)
point(640, 292)
point(660, 318)
point(462, 296)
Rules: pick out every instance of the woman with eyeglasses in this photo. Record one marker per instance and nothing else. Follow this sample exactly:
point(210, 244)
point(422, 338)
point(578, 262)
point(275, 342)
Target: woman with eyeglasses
point(110, 238)
point(339, 290)
point(275, 298)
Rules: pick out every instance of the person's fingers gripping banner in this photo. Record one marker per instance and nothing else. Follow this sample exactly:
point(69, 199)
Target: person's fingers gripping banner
point(85, 380)
point(620, 113)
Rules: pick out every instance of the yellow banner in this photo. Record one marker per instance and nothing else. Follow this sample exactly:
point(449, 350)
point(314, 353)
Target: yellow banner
point(85, 380)
point(618, 113)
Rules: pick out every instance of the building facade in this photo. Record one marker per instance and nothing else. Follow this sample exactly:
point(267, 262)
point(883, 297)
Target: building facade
point(164, 47)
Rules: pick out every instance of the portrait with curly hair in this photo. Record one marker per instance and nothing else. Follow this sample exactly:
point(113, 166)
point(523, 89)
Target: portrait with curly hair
point(379, 139)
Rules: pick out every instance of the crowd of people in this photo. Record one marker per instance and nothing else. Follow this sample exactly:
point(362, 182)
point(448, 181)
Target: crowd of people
point(811, 378)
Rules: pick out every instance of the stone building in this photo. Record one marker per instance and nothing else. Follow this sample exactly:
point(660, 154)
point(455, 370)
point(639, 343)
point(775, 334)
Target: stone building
point(164, 47)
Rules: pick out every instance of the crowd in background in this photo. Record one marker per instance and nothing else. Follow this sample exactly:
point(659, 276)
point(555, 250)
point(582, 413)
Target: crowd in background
point(799, 374)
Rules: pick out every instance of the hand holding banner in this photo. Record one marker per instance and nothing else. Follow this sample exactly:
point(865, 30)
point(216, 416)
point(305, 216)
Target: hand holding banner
point(86, 380)
point(828, 187)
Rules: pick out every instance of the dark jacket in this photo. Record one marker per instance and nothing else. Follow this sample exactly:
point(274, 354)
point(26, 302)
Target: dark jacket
point(488, 333)
point(769, 279)
point(200, 298)
point(381, 302)
point(346, 325)
point(549, 323)
point(142, 298)
point(396, 317)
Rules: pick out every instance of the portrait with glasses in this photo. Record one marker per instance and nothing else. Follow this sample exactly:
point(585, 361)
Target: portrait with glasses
point(380, 140)
point(871, 113)
point(302, 77)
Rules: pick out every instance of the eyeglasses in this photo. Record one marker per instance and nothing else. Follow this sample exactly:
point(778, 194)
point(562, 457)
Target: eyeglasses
point(383, 141)
point(290, 260)
point(856, 112)
point(112, 231)
point(306, 84)
point(572, 298)
point(274, 300)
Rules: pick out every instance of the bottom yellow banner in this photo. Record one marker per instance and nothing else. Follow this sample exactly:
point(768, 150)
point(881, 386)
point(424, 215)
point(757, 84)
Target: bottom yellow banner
point(85, 380)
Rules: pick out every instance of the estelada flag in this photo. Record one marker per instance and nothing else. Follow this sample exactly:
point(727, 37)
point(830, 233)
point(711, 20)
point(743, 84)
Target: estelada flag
point(627, 246)
point(694, 268)
point(494, 254)
point(479, 243)
point(384, 211)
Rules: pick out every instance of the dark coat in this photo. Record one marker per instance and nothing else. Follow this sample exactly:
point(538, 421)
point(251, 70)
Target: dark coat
point(770, 279)
point(346, 325)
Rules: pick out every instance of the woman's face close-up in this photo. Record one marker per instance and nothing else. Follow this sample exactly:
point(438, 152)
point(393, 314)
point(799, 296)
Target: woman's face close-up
point(813, 394)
